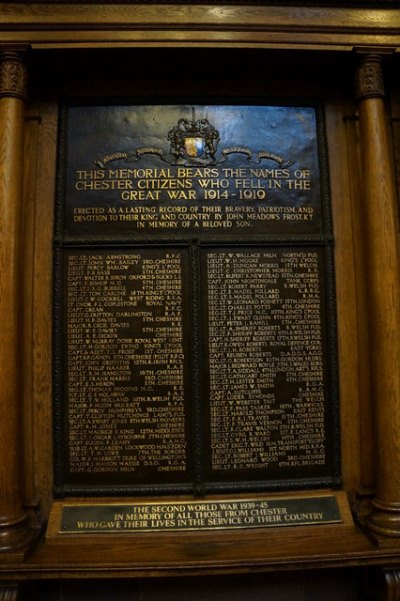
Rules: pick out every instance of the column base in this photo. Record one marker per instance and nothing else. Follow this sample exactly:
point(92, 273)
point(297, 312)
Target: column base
point(17, 537)
point(384, 520)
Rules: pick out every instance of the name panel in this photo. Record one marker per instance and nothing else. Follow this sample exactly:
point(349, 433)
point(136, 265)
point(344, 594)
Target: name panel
point(126, 365)
point(267, 369)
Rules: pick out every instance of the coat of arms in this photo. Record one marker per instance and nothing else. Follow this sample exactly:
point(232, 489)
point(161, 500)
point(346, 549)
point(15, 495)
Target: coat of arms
point(193, 141)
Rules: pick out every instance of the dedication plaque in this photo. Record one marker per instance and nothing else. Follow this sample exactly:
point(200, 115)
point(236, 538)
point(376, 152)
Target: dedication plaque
point(194, 301)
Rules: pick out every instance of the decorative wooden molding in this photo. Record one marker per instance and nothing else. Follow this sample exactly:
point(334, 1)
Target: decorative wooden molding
point(8, 592)
point(13, 75)
point(317, 3)
point(78, 25)
point(391, 585)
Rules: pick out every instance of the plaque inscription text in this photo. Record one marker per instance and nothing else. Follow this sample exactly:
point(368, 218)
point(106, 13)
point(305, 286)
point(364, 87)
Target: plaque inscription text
point(200, 515)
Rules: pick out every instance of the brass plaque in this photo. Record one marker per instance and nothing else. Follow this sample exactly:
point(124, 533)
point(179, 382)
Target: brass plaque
point(199, 515)
point(195, 343)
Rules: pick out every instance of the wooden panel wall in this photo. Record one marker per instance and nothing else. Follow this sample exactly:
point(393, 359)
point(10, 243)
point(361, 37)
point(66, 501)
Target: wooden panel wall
point(37, 267)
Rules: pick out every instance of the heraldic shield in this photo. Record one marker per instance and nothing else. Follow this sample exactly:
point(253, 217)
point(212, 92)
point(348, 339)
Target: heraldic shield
point(195, 141)
point(195, 146)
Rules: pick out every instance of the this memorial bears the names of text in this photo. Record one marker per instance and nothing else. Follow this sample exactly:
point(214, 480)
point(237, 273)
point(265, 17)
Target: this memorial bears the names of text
point(195, 339)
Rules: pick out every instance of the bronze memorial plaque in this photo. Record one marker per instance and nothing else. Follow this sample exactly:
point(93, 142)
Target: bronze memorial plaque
point(117, 518)
point(195, 342)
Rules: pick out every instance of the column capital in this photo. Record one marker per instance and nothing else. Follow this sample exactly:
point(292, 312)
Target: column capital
point(369, 78)
point(13, 75)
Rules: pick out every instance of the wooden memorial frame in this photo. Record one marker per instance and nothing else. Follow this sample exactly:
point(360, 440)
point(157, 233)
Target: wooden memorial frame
point(367, 275)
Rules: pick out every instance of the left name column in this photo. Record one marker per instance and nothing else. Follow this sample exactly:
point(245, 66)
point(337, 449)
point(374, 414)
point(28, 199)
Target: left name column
point(16, 528)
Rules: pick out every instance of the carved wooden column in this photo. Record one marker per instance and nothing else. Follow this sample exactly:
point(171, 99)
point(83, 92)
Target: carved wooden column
point(383, 267)
point(15, 528)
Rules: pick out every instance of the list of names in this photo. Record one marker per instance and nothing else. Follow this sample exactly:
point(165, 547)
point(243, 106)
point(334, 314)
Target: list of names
point(266, 366)
point(125, 362)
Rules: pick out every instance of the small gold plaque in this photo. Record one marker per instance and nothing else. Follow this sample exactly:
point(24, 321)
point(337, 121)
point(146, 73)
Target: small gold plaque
point(199, 515)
